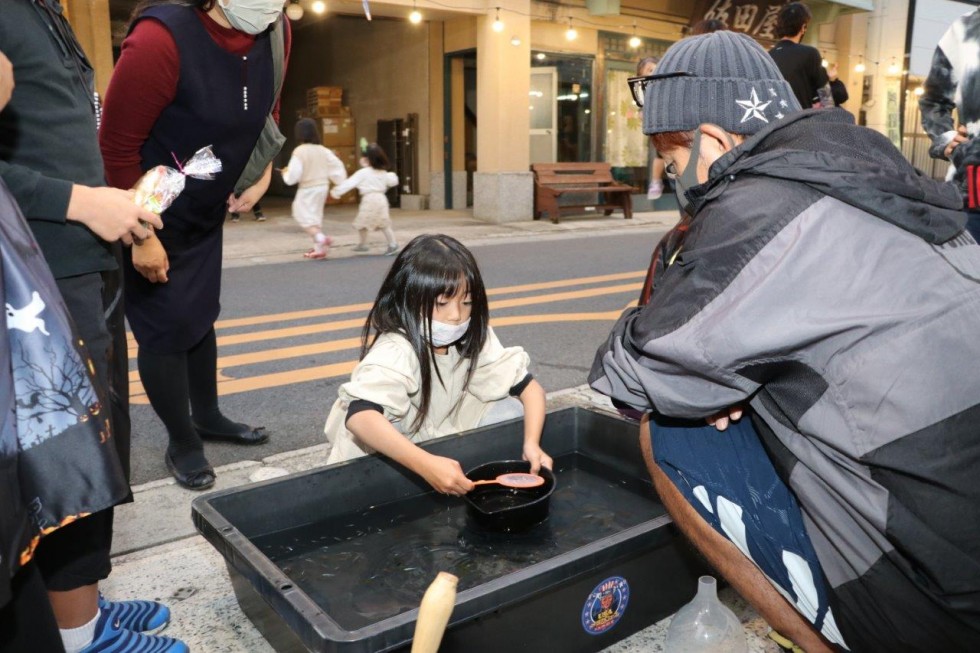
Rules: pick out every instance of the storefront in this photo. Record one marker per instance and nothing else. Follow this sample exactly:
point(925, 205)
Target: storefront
point(486, 87)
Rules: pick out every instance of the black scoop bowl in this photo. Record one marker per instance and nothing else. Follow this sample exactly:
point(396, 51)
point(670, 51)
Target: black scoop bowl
point(508, 510)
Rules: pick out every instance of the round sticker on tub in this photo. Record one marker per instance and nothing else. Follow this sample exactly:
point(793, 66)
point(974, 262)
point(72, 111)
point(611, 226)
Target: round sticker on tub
point(606, 605)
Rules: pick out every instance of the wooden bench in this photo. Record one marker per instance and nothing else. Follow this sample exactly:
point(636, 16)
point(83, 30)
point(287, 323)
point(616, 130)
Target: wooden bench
point(552, 180)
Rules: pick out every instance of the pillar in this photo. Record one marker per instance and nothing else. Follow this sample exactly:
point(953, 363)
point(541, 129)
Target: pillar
point(503, 185)
point(90, 21)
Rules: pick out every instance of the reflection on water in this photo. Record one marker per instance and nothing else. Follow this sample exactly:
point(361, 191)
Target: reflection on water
point(368, 566)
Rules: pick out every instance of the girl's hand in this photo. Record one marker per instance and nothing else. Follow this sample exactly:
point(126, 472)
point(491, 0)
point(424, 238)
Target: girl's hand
point(535, 455)
point(445, 475)
point(150, 260)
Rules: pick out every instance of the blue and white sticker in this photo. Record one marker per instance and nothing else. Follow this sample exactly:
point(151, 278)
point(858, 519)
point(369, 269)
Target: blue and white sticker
point(606, 605)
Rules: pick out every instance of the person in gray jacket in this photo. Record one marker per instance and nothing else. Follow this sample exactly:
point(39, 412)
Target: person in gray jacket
point(828, 291)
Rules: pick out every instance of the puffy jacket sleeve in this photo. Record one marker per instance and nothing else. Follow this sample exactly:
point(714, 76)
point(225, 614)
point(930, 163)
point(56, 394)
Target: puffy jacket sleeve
point(938, 98)
point(673, 374)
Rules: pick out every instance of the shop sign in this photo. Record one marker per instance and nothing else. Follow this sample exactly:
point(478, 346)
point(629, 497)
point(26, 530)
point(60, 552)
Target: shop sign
point(757, 18)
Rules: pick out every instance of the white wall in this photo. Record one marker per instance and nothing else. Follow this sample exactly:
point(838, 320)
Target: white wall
point(932, 19)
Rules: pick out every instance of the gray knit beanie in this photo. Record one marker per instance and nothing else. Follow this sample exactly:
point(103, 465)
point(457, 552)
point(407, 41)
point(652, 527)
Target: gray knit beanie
point(731, 82)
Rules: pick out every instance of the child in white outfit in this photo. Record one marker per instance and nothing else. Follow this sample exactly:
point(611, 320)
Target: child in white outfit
point(433, 368)
point(314, 168)
point(372, 181)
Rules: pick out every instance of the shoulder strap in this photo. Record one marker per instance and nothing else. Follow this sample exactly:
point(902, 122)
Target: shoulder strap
point(278, 43)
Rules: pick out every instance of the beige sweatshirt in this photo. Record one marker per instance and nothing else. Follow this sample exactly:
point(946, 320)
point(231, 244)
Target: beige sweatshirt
point(390, 376)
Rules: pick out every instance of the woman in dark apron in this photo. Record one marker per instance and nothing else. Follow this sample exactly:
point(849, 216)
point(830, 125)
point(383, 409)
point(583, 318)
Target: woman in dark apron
point(188, 77)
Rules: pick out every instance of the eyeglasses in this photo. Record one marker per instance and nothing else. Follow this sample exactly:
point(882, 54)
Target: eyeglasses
point(638, 85)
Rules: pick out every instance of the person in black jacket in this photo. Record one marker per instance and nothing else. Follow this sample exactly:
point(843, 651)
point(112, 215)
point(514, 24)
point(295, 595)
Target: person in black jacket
point(801, 65)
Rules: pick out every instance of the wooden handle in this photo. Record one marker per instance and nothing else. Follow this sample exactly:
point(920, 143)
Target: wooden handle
point(491, 481)
point(434, 610)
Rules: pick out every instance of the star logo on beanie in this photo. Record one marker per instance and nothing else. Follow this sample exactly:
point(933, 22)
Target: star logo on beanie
point(753, 108)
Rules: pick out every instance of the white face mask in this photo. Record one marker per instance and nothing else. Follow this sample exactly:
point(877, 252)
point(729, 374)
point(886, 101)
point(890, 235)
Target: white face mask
point(251, 16)
point(446, 334)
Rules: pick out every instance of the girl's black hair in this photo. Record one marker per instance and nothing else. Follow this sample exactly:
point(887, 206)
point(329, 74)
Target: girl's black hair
point(376, 157)
point(143, 5)
point(305, 131)
point(430, 266)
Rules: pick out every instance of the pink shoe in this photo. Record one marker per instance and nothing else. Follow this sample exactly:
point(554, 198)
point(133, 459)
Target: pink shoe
point(315, 255)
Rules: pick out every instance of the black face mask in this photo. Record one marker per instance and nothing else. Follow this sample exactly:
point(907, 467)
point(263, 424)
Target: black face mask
point(688, 179)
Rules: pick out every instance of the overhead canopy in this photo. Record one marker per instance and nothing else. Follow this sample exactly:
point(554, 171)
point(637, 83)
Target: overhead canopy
point(757, 18)
point(862, 5)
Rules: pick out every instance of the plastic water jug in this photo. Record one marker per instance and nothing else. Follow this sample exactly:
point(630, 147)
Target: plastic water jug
point(705, 625)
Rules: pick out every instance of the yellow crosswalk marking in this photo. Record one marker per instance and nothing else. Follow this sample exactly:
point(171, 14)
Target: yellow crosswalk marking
point(229, 384)
point(364, 307)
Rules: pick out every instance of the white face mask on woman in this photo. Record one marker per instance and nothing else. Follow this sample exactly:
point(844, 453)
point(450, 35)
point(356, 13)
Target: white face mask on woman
point(446, 334)
point(251, 16)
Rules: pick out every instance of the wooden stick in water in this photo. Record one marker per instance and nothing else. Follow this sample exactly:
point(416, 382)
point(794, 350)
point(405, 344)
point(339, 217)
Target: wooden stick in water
point(434, 610)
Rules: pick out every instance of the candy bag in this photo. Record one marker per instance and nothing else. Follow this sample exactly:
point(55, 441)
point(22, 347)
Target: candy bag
point(159, 186)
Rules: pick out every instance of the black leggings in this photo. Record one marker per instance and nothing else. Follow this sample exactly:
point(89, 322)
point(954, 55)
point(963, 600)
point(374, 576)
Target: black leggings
point(181, 385)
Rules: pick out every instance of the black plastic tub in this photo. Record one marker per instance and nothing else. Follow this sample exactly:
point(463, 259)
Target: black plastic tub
point(337, 558)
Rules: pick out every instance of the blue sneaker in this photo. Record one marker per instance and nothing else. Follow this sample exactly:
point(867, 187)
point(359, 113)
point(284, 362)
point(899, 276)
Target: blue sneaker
point(147, 617)
point(110, 638)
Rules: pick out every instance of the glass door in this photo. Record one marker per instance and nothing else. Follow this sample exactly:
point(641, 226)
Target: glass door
point(544, 116)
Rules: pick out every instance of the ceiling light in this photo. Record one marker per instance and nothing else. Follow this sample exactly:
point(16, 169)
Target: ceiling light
point(919, 90)
point(498, 25)
point(319, 7)
point(571, 34)
point(415, 17)
point(294, 10)
point(635, 40)
point(515, 40)
point(540, 56)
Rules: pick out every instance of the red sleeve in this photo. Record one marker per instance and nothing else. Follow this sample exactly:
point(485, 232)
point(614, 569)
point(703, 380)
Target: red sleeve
point(143, 84)
point(287, 41)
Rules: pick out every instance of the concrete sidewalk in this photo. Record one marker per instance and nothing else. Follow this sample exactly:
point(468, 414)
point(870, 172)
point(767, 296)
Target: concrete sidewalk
point(157, 553)
point(280, 240)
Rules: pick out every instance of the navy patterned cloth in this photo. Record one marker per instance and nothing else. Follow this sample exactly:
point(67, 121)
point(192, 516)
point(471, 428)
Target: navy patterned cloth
point(57, 459)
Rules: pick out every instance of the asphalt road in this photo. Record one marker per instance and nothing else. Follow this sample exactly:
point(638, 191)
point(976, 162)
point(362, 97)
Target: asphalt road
point(287, 335)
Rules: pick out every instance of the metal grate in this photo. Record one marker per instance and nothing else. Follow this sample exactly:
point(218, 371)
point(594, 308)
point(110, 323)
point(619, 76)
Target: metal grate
point(915, 141)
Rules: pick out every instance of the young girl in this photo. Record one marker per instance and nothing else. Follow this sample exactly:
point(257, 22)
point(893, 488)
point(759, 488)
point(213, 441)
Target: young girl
point(314, 168)
point(371, 181)
point(433, 367)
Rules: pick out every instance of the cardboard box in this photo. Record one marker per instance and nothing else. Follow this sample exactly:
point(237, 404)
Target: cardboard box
point(330, 111)
point(350, 156)
point(338, 131)
point(324, 92)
